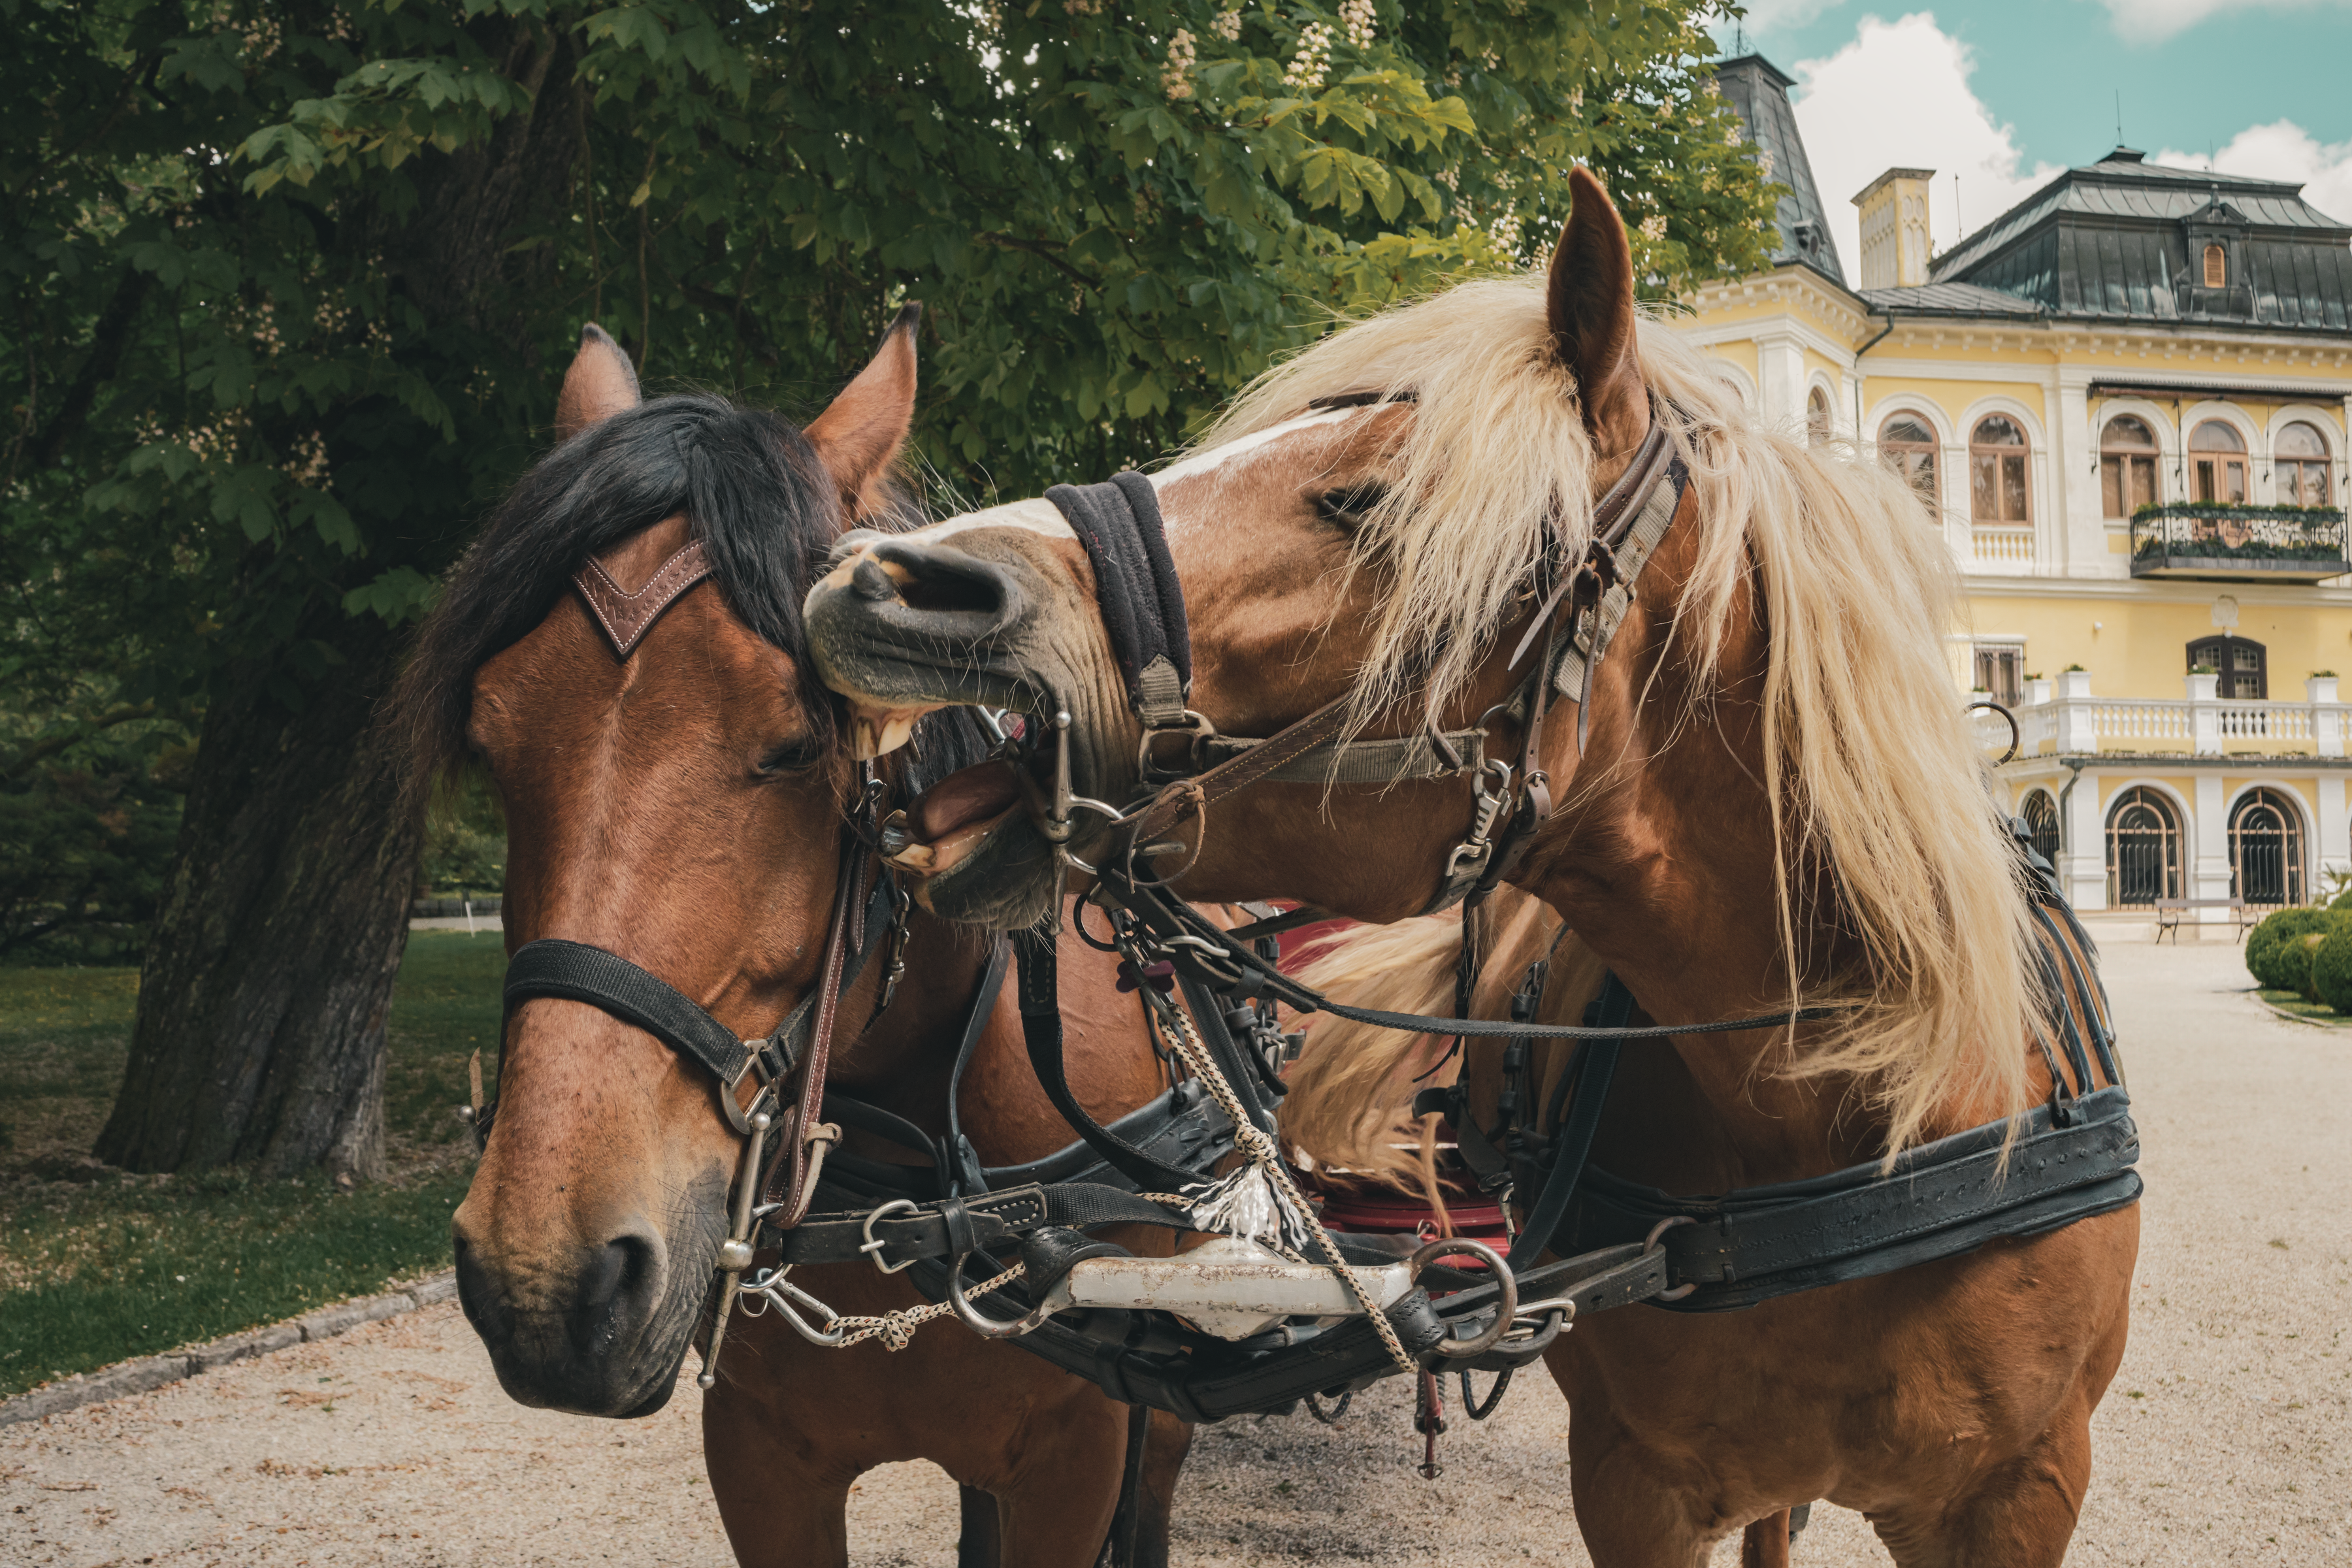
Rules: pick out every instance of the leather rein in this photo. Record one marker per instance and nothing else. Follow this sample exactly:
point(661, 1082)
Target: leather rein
point(1120, 524)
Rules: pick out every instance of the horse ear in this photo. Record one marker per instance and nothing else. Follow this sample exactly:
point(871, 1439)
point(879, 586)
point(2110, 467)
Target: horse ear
point(1590, 303)
point(600, 383)
point(861, 431)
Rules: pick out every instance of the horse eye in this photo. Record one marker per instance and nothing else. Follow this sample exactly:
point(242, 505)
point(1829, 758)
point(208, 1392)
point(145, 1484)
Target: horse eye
point(796, 755)
point(1347, 507)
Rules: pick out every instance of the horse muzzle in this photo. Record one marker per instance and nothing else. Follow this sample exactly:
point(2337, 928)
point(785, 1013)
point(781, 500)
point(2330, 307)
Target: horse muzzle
point(901, 627)
point(595, 1329)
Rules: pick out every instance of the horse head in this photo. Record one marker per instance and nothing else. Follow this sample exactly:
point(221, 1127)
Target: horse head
point(674, 794)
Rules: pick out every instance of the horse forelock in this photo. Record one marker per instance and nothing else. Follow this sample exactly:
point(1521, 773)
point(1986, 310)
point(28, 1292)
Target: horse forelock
point(752, 488)
point(1869, 765)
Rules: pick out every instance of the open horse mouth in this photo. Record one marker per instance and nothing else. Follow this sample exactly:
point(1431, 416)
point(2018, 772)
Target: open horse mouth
point(952, 819)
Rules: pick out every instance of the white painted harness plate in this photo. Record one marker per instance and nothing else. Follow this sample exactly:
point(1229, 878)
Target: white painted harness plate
point(1229, 1287)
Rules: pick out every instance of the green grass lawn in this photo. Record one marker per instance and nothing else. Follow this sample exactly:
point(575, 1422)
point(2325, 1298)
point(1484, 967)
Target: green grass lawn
point(96, 1266)
point(2293, 1002)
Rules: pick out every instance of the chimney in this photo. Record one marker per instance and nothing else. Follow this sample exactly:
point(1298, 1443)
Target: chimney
point(1895, 229)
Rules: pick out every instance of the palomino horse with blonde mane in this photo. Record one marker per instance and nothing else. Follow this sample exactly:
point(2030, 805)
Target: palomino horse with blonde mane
point(621, 649)
point(1763, 798)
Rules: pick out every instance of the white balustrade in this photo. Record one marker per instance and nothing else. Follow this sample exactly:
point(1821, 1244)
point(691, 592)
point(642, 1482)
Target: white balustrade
point(2003, 549)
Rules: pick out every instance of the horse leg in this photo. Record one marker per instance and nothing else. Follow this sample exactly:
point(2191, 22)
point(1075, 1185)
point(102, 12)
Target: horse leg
point(1056, 1497)
point(2018, 1515)
point(979, 1544)
point(1765, 1542)
point(777, 1514)
point(1163, 1460)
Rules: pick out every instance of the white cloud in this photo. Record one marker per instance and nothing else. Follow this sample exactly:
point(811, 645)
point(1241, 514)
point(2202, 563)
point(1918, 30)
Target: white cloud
point(1899, 96)
point(2153, 21)
point(2283, 151)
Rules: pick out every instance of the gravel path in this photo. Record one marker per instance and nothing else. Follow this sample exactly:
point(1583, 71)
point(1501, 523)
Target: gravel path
point(2225, 1439)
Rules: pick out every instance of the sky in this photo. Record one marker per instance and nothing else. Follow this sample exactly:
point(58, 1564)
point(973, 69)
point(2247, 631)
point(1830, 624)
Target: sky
point(2004, 93)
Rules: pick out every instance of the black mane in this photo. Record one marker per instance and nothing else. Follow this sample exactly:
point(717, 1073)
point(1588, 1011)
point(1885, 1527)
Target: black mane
point(752, 490)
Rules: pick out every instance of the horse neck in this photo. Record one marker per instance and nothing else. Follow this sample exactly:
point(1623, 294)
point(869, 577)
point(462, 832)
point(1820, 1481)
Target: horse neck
point(1661, 857)
point(901, 1059)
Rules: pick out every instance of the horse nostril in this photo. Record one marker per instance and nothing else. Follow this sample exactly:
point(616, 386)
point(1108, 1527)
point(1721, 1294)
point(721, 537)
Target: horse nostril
point(619, 1286)
point(952, 581)
point(870, 581)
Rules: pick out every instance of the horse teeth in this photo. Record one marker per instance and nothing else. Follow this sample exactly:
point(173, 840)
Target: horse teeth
point(914, 857)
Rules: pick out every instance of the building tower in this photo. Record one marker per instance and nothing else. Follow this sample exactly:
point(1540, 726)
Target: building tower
point(1894, 246)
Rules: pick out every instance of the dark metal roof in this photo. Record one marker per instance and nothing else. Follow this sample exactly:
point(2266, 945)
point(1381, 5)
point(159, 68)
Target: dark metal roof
point(2115, 240)
point(1948, 300)
point(1760, 91)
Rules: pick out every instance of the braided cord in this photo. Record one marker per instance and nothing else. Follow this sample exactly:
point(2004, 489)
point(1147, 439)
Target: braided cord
point(1252, 1140)
point(896, 1330)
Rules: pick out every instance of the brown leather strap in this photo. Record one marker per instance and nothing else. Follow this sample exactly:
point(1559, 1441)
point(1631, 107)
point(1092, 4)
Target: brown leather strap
point(626, 617)
point(797, 1190)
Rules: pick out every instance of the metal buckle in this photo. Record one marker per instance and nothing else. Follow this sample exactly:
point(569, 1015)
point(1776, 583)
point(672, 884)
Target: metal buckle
point(1650, 1245)
point(1196, 725)
point(874, 1245)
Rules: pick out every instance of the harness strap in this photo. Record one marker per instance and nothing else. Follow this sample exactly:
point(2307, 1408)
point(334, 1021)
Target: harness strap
point(1571, 1146)
point(960, 1170)
point(951, 1226)
point(1135, 583)
point(806, 1130)
point(1940, 1200)
point(1040, 1030)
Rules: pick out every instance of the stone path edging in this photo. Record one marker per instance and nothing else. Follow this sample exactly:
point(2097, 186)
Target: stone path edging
point(128, 1377)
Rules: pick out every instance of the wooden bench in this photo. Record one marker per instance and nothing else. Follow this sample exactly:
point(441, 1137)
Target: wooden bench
point(2168, 913)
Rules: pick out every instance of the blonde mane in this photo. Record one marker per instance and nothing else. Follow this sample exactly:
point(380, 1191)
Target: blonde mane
point(1869, 768)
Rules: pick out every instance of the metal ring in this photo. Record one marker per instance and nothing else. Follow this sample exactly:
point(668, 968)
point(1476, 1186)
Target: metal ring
point(979, 1322)
point(873, 1247)
point(2016, 735)
point(1650, 1245)
point(1492, 1335)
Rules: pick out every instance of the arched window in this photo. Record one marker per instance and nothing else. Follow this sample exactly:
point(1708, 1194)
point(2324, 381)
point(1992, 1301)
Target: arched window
point(2300, 463)
point(2217, 267)
point(1907, 446)
point(2243, 666)
point(2266, 849)
point(2143, 850)
point(2126, 466)
point(1817, 417)
point(1997, 491)
point(2042, 824)
point(2216, 463)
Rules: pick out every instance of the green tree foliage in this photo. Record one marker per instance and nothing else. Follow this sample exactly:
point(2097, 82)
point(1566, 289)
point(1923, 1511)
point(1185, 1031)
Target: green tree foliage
point(289, 285)
point(85, 835)
point(287, 306)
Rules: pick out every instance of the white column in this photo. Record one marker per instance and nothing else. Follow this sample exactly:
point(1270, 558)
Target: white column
point(2327, 714)
point(1780, 378)
point(2204, 715)
point(2076, 730)
point(2084, 532)
point(2211, 836)
point(2335, 826)
point(2082, 857)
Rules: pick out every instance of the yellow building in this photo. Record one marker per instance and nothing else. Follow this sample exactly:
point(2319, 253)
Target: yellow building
point(2124, 402)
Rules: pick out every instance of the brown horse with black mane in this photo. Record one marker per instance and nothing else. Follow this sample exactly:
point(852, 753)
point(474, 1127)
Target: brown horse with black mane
point(675, 787)
point(1764, 794)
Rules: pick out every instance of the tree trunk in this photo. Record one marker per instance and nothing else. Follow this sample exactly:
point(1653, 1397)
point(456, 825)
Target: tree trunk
point(260, 1029)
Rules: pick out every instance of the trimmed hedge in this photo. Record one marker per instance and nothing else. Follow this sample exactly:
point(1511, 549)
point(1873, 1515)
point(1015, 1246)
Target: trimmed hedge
point(2275, 953)
point(2331, 968)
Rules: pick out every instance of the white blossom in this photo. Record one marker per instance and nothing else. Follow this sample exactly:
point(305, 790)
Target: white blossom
point(1312, 63)
point(1175, 76)
point(1654, 227)
point(1355, 17)
point(1228, 25)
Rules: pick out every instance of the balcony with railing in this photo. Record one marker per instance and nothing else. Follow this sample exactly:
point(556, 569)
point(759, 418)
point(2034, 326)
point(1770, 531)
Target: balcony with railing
point(2062, 718)
point(2263, 544)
